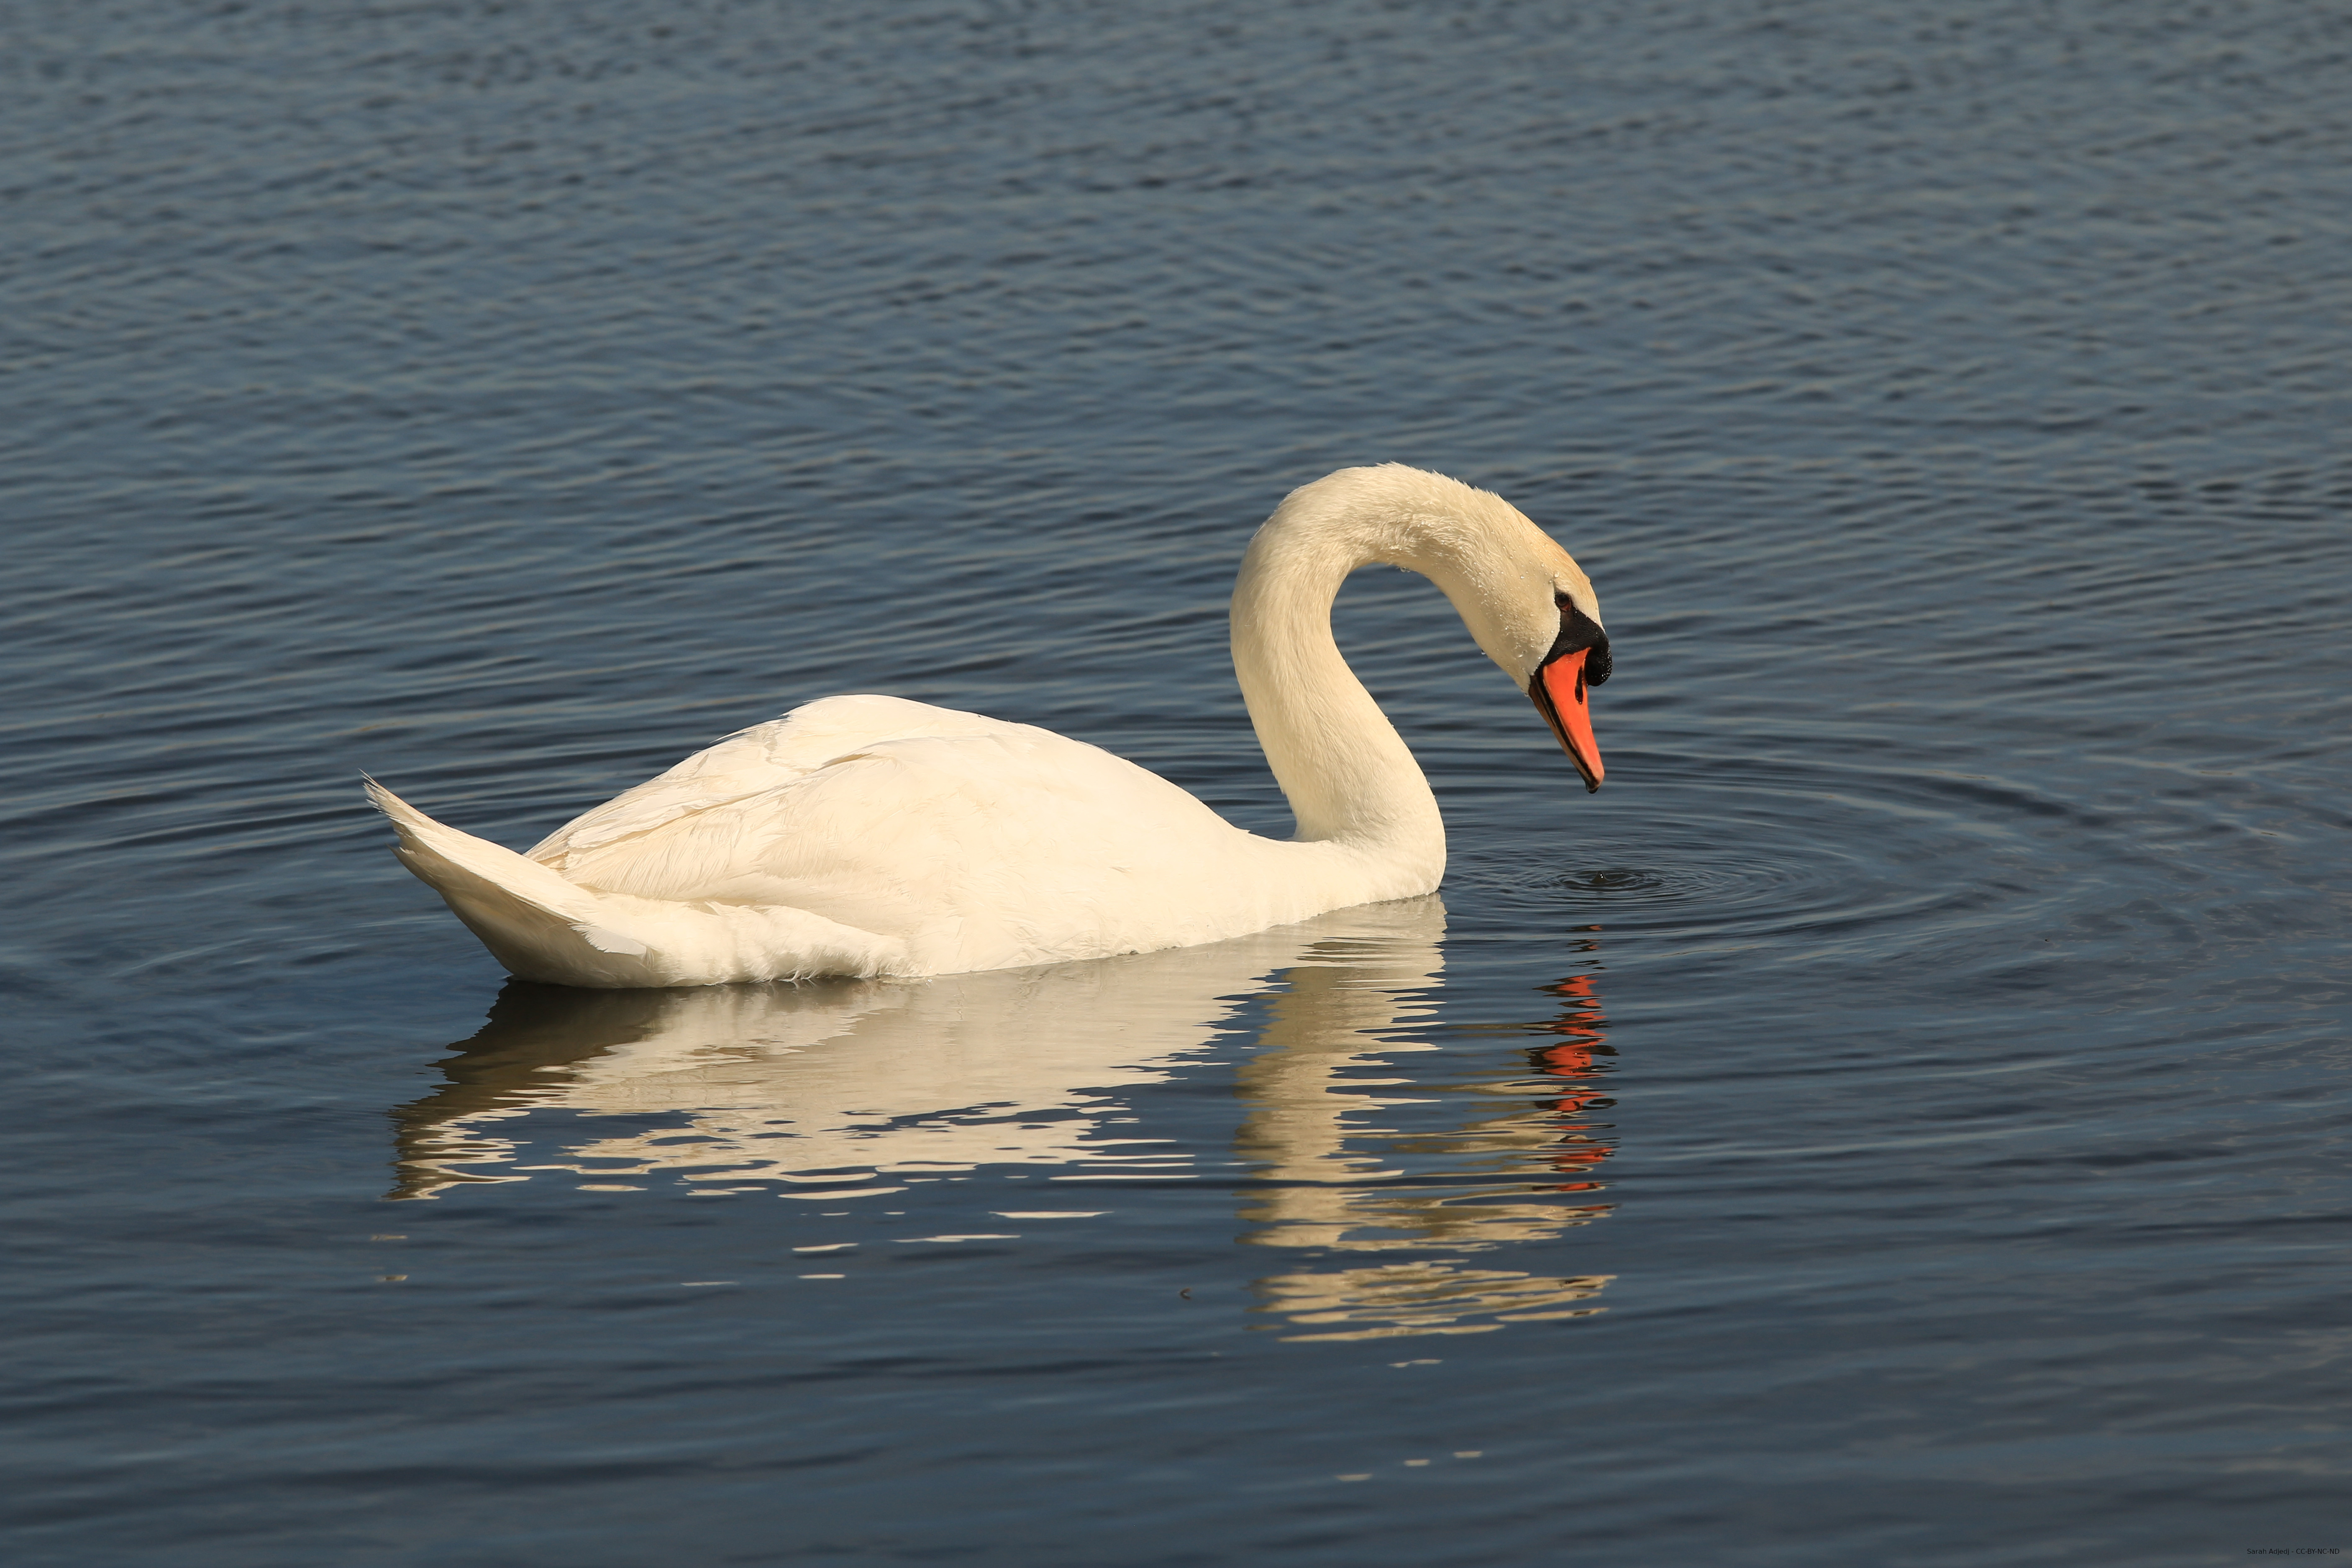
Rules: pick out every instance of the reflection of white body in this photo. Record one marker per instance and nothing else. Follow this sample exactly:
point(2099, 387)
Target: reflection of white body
point(851, 1082)
point(868, 836)
point(859, 1089)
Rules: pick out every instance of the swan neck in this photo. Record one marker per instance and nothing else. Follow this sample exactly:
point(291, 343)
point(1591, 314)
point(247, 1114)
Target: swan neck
point(1348, 774)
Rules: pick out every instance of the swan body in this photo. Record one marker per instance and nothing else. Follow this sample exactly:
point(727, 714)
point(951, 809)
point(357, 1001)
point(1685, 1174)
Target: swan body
point(868, 836)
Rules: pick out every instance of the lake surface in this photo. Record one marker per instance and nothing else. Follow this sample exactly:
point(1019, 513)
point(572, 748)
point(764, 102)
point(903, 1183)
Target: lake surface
point(1901, 1120)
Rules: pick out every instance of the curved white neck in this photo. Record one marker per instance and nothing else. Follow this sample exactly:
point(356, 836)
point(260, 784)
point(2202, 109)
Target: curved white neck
point(1347, 772)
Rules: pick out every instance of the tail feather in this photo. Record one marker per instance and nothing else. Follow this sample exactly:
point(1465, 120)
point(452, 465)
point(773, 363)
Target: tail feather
point(543, 927)
point(435, 850)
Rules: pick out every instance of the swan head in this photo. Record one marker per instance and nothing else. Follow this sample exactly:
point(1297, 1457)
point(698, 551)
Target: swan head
point(1524, 599)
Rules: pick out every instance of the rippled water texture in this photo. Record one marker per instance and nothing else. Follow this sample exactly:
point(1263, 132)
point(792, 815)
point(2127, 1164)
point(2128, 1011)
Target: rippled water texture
point(1899, 1120)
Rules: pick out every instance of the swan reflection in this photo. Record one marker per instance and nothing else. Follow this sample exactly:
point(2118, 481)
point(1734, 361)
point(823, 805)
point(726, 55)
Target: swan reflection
point(859, 1089)
point(1344, 1168)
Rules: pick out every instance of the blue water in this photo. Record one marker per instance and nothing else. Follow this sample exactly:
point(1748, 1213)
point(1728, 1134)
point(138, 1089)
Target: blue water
point(1901, 1120)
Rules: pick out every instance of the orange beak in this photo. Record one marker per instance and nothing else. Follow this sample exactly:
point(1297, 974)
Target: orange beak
point(1565, 700)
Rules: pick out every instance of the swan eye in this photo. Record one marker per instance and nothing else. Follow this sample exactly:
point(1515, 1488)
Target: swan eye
point(1579, 630)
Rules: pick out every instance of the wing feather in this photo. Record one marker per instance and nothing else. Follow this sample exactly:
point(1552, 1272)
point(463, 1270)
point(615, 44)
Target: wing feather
point(745, 765)
point(1004, 838)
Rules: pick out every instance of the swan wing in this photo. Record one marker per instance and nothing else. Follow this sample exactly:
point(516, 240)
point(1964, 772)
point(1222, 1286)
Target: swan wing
point(746, 763)
point(980, 843)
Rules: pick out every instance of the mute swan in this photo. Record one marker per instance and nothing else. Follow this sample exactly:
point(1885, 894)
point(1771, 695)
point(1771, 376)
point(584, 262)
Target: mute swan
point(870, 836)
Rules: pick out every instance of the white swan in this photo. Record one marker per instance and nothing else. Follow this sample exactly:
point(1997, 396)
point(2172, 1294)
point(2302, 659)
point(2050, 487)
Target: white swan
point(869, 835)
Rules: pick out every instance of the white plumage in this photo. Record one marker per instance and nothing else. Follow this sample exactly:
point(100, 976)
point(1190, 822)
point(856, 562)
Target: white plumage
point(869, 835)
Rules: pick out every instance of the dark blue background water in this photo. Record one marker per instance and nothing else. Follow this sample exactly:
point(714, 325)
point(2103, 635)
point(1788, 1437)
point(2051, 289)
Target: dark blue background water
point(1901, 1120)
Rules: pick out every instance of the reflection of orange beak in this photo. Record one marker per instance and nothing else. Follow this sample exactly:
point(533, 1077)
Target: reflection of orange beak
point(1563, 697)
